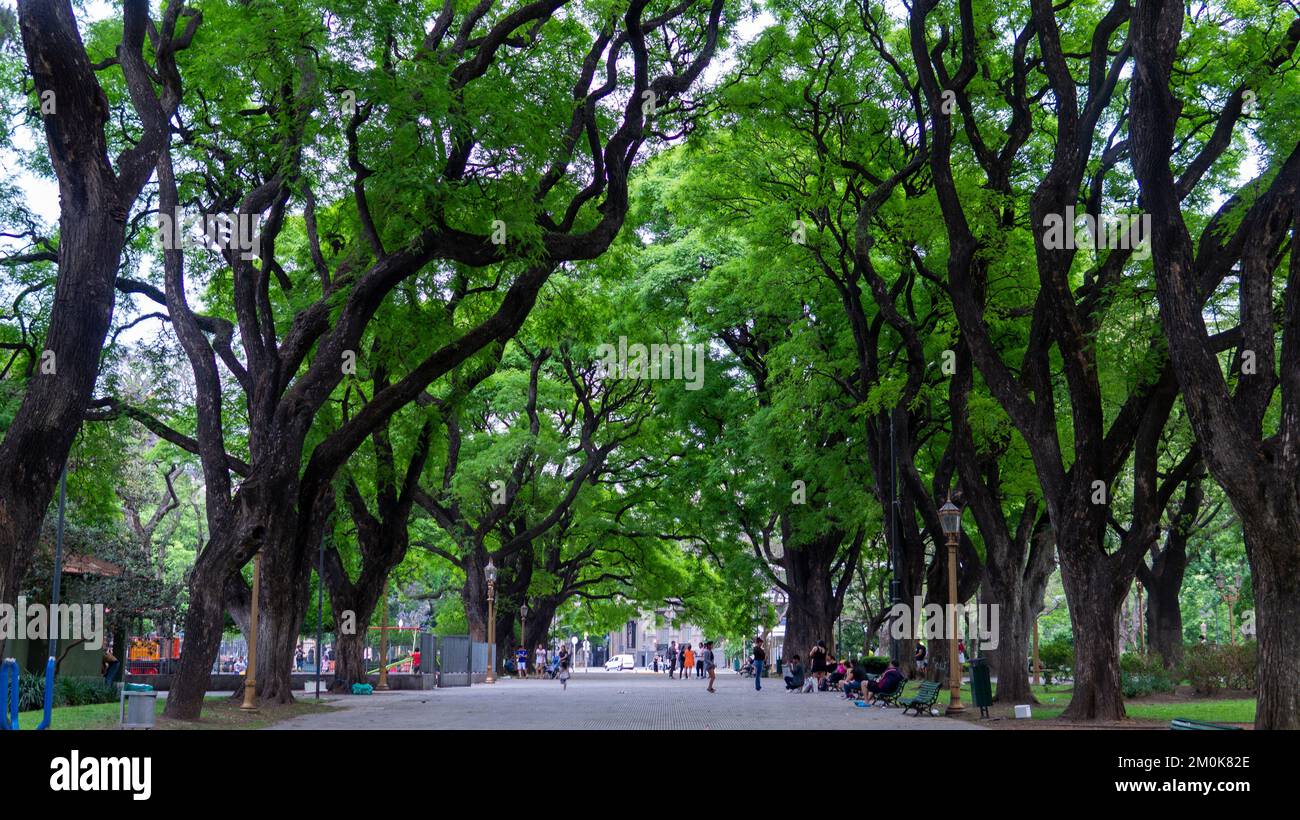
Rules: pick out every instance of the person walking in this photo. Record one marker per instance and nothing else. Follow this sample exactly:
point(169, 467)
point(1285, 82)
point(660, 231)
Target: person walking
point(539, 660)
point(415, 662)
point(760, 659)
point(564, 668)
point(672, 658)
point(710, 666)
point(699, 665)
point(688, 661)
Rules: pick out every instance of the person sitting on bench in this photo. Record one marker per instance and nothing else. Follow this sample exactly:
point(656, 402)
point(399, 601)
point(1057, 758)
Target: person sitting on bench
point(886, 683)
point(853, 682)
point(794, 680)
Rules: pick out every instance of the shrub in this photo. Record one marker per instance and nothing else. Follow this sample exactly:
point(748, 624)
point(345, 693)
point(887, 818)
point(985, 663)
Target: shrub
point(1240, 665)
point(1211, 667)
point(1201, 666)
point(1057, 653)
point(83, 691)
point(1140, 675)
point(31, 691)
point(67, 692)
point(875, 664)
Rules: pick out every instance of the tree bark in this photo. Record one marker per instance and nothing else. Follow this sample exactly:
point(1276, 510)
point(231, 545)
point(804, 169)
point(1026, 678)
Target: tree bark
point(94, 203)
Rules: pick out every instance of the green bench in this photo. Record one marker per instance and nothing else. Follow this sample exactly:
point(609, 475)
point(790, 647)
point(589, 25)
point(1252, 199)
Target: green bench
point(924, 698)
point(1187, 724)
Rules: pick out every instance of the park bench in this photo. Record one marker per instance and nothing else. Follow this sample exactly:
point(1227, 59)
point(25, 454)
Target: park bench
point(922, 700)
point(891, 697)
point(1186, 724)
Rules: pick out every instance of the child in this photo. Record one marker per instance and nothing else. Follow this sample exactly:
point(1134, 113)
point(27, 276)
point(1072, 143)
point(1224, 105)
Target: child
point(564, 668)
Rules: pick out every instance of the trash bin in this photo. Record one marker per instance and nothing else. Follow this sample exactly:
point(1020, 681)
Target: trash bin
point(981, 688)
point(136, 708)
point(778, 666)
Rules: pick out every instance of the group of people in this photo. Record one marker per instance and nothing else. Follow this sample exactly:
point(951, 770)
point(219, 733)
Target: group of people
point(684, 657)
point(824, 673)
point(545, 664)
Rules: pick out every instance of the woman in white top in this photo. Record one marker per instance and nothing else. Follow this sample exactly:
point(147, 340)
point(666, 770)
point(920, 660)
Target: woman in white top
point(539, 660)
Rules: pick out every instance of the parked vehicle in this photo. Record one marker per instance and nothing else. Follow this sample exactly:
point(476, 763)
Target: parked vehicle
point(619, 663)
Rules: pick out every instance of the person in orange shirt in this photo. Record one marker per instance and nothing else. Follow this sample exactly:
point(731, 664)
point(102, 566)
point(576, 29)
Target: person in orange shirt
point(689, 660)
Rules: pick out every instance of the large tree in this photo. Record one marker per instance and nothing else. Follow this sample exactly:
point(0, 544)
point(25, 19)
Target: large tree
point(96, 199)
point(1249, 431)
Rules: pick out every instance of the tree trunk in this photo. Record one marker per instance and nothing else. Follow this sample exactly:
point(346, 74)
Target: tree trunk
point(1164, 614)
point(1276, 576)
point(203, 622)
point(349, 658)
point(93, 207)
point(1094, 597)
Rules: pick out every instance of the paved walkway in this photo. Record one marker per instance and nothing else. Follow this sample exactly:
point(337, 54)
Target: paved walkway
point(612, 700)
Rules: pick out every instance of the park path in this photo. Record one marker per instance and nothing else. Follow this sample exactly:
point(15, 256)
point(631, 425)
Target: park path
point(612, 700)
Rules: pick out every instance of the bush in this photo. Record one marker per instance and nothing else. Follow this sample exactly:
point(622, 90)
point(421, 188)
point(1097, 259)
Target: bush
point(83, 691)
point(1057, 653)
point(67, 692)
point(1140, 675)
point(875, 664)
point(1211, 667)
point(31, 691)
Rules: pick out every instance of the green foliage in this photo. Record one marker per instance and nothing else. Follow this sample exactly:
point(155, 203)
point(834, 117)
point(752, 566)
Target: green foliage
point(68, 691)
point(1142, 675)
point(1211, 667)
point(1057, 653)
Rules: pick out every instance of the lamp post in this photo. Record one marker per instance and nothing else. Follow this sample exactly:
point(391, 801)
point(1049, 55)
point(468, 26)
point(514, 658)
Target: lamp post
point(1230, 592)
point(523, 626)
point(250, 676)
point(950, 520)
point(382, 686)
point(490, 571)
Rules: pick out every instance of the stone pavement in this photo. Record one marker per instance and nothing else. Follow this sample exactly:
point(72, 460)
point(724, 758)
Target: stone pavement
point(612, 700)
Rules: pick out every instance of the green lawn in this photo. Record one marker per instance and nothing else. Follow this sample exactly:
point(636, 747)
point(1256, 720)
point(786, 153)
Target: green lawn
point(1052, 701)
point(218, 713)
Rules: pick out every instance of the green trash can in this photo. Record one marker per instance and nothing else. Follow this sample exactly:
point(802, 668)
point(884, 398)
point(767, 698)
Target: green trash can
point(981, 687)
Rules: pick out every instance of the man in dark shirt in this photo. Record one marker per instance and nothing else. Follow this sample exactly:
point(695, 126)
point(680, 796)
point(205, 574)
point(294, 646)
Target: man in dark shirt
point(760, 658)
point(853, 681)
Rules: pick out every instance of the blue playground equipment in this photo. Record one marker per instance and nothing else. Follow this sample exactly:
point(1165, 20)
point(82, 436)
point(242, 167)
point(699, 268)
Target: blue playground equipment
point(9, 690)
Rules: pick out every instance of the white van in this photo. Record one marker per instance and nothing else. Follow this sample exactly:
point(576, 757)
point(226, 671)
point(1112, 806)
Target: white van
point(619, 663)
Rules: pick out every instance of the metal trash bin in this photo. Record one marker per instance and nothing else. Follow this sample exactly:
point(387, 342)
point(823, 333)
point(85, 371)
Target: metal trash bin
point(981, 687)
point(136, 709)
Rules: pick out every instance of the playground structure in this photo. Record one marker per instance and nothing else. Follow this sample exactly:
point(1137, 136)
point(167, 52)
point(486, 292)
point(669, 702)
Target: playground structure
point(152, 656)
point(9, 689)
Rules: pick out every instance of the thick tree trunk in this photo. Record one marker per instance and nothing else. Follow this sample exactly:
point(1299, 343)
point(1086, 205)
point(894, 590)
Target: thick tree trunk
point(94, 205)
point(203, 623)
point(1164, 614)
point(812, 591)
point(349, 659)
point(1275, 572)
point(1094, 596)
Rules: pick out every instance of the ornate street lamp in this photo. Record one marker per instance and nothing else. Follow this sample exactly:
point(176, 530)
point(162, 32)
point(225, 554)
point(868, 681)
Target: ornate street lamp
point(382, 686)
point(1230, 592)
point(950, 520)
point(250, 676)
point(490, 572)
point(523, 626)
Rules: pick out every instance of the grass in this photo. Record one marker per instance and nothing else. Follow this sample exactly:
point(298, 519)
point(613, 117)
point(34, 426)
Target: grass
point(219, 712)
point(1052, 701)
